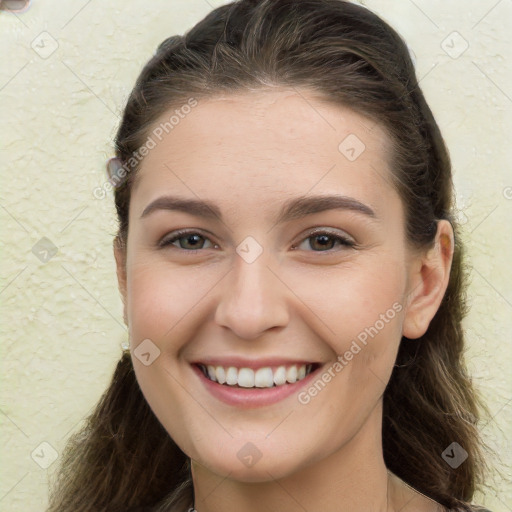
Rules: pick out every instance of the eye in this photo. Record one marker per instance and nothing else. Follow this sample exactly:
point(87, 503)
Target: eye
point(325, 240)
point(194, 241)
point(187, 240)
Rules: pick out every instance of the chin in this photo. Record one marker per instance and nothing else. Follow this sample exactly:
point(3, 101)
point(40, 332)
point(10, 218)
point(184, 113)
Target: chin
point(265, 469)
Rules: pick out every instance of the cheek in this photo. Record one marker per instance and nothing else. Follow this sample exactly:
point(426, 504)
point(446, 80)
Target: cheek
point(361, 315)
point(159, 297)
point(352, 298)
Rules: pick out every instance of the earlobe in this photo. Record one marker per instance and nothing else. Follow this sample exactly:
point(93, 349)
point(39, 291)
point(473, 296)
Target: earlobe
point(120, 257)
point(428, 280)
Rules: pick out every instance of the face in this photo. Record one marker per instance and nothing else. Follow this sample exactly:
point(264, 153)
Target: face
point(255, 284)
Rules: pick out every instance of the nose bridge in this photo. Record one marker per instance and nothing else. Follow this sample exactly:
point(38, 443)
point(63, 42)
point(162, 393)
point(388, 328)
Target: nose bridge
point(252, 299)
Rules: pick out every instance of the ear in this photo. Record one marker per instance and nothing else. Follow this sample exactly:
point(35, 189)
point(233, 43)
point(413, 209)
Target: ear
point(428, 279)
point(120, 256)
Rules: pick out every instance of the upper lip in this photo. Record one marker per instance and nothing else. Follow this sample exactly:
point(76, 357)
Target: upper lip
point(240, 362)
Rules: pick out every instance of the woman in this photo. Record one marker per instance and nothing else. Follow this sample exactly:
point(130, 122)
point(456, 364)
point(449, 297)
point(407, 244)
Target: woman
point(291, 276)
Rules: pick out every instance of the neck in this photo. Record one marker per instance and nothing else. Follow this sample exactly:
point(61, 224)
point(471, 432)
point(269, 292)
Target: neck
point(351, 479)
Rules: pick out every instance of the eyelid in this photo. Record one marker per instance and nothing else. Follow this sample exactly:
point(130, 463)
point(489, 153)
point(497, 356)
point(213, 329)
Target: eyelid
point(329, 231)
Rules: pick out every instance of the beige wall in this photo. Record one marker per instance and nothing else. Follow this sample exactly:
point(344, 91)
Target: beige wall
point(61, 313)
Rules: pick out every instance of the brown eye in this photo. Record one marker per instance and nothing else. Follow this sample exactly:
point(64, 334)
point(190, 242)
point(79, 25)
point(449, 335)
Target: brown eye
point(324, 241)
point(187, 240)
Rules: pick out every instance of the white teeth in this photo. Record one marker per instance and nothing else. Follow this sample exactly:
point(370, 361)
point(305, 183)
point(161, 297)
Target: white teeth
point(232, 376)
point(246, 378)
point(291, 374)
point(211, 372)
point(262, 378)
point(220, 374)
point(280, 376)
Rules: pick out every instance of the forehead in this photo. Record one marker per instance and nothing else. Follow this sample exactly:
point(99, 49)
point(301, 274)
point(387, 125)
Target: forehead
point(276, 142)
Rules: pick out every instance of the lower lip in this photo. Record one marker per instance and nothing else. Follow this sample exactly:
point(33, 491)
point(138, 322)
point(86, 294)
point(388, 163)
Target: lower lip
point(249, 398)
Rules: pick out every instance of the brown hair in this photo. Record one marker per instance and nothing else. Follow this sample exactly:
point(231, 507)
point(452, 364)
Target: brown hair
point(349, 56)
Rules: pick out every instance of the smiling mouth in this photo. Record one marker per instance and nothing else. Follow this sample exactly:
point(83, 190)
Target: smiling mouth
point(265, 377)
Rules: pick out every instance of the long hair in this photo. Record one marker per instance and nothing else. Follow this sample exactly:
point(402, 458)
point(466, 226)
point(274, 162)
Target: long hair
point(351, 57)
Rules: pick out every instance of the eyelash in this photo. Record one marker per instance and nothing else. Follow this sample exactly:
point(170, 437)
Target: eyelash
point(346, 242)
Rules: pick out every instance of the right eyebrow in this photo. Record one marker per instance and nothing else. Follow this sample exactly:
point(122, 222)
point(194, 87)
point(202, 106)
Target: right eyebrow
point(199, 208)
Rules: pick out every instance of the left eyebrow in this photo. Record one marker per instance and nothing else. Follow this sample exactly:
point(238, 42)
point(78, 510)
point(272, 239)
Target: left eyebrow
point(307, 205)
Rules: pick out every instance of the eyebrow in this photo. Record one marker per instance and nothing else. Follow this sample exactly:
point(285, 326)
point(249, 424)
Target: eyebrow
point(292, 209)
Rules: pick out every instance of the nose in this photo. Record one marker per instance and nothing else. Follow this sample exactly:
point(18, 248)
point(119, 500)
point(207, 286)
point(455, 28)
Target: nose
point(253, 299)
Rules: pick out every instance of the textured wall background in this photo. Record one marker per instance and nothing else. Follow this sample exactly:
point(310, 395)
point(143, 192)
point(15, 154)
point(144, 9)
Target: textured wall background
point(66, 70)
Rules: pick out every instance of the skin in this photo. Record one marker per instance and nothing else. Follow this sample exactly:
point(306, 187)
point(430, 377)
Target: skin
point(249, 152)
